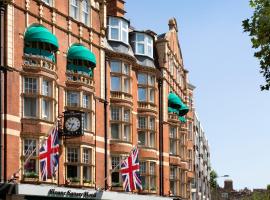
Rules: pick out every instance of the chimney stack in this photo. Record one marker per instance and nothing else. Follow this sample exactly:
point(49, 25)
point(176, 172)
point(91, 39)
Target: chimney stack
point(228, 185)
point(116, 8)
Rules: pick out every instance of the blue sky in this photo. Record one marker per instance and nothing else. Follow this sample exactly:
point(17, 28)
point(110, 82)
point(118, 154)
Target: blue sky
point(234, 112)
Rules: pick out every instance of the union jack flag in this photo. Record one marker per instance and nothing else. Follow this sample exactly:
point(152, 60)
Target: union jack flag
point(49, 155)
point(130, 172)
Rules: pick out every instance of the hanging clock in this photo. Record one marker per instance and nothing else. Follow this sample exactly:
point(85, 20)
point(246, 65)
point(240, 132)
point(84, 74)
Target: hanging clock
point(73, 123)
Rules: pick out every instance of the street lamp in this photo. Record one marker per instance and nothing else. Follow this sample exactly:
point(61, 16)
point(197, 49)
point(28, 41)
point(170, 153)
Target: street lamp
point(224, 176)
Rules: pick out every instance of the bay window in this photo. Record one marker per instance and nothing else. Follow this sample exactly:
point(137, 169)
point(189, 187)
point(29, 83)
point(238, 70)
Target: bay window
point(143, 44)
point(83, 101)
point(148, 175)
point(146, 87)
point(120, 76)
point(121, 123)
point(146, 131)
point(35, 99)
point(118, 29)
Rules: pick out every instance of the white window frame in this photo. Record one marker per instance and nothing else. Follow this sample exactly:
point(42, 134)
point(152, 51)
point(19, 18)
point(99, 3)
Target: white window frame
point(77, 7)
point(147, 42)
point(85, 12)
point(121, 29)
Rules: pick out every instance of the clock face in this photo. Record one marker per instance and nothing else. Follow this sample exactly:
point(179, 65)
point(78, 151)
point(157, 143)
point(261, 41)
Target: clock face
point(72, 124)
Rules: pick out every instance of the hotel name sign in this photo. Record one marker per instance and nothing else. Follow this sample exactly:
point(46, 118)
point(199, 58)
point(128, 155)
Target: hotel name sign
point(72, 194)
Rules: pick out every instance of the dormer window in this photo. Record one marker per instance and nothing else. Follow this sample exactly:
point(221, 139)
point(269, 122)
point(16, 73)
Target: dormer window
point(118, 30)
point(143, 45)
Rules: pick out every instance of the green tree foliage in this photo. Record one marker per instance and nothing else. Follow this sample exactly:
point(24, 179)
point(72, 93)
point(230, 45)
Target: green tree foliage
point(213, 179)
point(260, 196)
point(258, 27)
point(268, 187)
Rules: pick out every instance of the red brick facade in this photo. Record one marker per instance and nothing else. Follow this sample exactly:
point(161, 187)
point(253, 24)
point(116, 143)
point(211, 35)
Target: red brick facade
point(115, 117)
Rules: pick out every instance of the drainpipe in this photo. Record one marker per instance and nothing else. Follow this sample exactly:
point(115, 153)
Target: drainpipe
point(161, 185)
point(105, 125)
point(2, 31)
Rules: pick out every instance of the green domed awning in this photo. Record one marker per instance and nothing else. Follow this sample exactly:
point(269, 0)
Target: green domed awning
point(183, 109)
point(80, 52)
point(172, 110)
point(174, 101)
point(39, 33)
point(175, 105)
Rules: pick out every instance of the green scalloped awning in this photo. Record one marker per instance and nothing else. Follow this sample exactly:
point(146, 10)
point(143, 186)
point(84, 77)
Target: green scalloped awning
point(80, 52)
point(174, 101)
point(39, 33)
point(175, 105)
point(183, 109)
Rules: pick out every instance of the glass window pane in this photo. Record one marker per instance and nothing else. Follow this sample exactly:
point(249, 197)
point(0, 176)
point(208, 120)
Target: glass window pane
point(115, 33)
point(30, 166)
point(87, 175)
point(152, 168)
point(115, 83)
point(142, 94)
point(127, 85)
point(72, 171)
point(86, 101)
point(115, 161)
point(142, 79)
point(86, 121)
point(124, 36)
point(140, 48)
point(30, 85)
point(152, 80)
point(29, 147)
point(72, 154)
point(126, 69)
point(152, 123)
point(142, 167)
point(141, 138)
point(127, 115)
point(30, 107)
point(115, 179)
point(73, 99)
point(115, 129)
point(126, 133)
point(140, 37)
point(152, 95)
point(46, 88)
point(115, 113)
point(115, 66)
point(114, 21)
point(142, 122)
point(46, 109)
point(152, 139)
